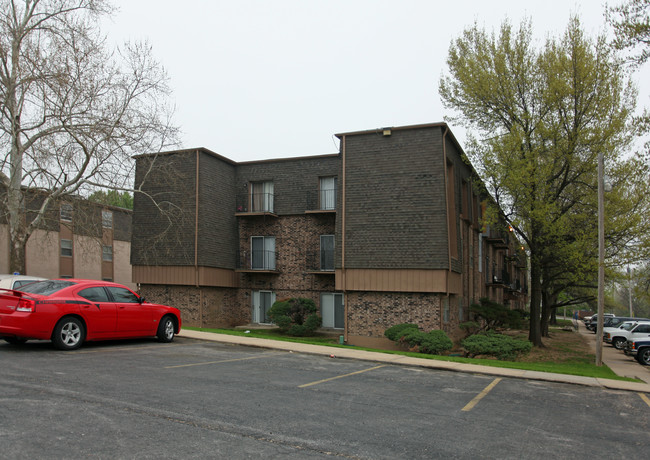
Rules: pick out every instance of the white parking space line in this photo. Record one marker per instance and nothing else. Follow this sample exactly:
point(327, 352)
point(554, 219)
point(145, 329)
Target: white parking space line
point(340, 376)
point(481, 395)
point(207, 363)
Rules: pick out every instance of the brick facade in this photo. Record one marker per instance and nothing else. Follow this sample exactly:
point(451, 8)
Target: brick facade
point(409, 239)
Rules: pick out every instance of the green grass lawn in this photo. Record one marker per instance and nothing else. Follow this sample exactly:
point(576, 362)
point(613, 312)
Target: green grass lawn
point(566, 360)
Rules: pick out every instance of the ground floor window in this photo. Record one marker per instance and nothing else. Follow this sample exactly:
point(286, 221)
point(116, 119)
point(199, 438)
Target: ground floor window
point(332, 310)
point(262, 302)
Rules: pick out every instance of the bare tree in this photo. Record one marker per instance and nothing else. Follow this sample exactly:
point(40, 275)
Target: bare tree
point(74, 109)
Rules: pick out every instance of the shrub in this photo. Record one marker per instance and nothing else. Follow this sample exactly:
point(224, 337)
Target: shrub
point(470, 327)
point(395, 333)
point(434, 342)
point(493, 344)
point(295, 316)
point(493, 314)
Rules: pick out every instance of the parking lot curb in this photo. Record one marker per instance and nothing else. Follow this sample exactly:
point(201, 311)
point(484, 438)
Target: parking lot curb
point(351, 353)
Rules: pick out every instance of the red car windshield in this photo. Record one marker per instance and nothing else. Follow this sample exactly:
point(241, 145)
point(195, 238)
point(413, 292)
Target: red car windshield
point(45, 288)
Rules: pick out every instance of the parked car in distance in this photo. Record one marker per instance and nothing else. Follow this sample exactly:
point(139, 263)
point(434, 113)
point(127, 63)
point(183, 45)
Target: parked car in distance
point(16, 281)
point(70, 312)
point(593, 322)
point(640, 349)
point(617, 336)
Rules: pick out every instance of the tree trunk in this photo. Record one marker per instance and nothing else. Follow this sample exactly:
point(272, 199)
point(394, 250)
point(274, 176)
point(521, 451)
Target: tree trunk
point(546, 313)
point(534, 333)
point(17, 257)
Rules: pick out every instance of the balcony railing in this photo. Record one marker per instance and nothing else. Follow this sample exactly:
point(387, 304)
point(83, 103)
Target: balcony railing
point(256, 261)
point(321, 261)
point(499, 277)
point(255, 203)
point(323, 200)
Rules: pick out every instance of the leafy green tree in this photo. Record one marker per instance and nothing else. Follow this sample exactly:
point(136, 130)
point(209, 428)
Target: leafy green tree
point(631, 23)
point(538, 119)
point(113, 198)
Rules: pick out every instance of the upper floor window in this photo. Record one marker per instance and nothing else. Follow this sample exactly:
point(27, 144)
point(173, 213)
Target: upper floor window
point(66, 248)
point(263, 253)
point(66, 212)
point(327, 193)
point(107, 219)
point(262, 196)
point(107, 253)
point(327, 252)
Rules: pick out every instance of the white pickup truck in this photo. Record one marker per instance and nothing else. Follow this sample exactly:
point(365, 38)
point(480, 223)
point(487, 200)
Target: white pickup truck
point(617, 336)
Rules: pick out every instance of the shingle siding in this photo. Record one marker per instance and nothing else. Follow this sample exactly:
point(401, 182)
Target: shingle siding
point(165, 238)
point(217, 240)
point(395, 201)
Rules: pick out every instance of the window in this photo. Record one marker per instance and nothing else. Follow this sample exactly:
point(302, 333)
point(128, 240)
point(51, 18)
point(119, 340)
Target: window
point(66, 212)
point(332, 310)
point(262, 302)
point(263, 253)
point(107, 219)
point(327, 193)
point(95, 294)
point(327, 252)
point(123, 295)
point(262, 196)
point(107, 253)
point(66, 248)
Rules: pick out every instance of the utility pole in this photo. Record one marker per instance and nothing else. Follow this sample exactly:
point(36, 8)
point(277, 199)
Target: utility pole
point(629, 286)
point(601, 260)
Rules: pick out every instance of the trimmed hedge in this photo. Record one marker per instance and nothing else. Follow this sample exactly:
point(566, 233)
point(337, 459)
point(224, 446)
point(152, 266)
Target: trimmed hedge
point(490, 343)
point(434, 342)
point(296, 316)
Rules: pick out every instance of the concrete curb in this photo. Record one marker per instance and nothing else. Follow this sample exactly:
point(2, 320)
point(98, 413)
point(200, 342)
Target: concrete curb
point(363, 355)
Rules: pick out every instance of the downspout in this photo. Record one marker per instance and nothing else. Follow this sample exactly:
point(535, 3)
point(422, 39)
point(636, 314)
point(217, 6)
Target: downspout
point(343, 275)
point(196, 238)
point(444, 170)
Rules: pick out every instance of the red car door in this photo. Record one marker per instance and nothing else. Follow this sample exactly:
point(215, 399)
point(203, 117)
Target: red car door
point(100, 313)
point(133, 317)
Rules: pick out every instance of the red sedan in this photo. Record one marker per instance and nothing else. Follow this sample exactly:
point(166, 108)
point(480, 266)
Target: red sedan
point(71, 311)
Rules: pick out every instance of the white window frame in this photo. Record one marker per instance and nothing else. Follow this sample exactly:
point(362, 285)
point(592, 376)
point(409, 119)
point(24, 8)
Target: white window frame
point(262, 194)
point(268, 253)
point(66, 246)
point(65, 212)
point(257, 297)
point(333, 239)
point(329, 311)
point(107, 253)
point(327, 193)
point(107, 219)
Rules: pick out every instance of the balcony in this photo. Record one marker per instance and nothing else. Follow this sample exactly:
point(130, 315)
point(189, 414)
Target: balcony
point(321, 262)
point(255, 204)
point(256, 262)
point(499, 278)
point(497, 238)
point(321, 201)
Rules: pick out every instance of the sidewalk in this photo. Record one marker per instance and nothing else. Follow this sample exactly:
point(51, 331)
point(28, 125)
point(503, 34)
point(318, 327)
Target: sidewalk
point(352, 353)
point(616, 360)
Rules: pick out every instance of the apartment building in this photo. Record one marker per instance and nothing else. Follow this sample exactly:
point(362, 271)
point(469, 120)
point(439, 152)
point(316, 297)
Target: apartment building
point(76, 239)
point(388, 230)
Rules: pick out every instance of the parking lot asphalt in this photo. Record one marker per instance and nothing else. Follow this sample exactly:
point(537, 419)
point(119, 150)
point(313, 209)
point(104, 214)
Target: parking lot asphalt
point(352, 353)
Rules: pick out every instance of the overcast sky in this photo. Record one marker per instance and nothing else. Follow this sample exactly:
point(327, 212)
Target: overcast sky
point(257, 79)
